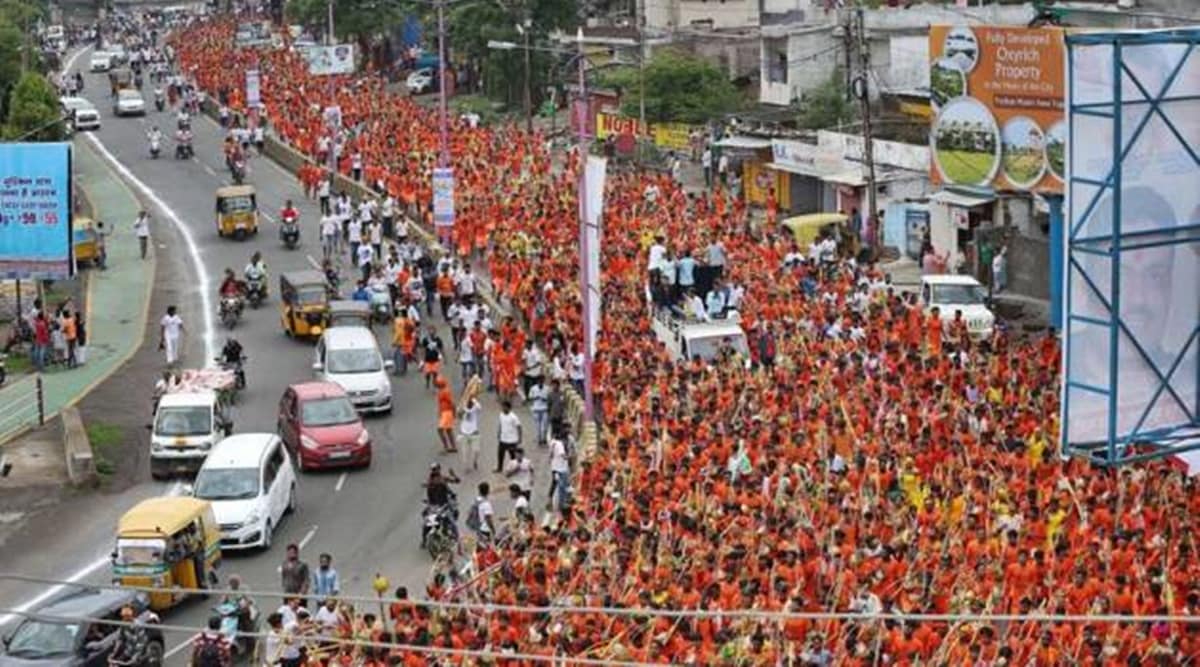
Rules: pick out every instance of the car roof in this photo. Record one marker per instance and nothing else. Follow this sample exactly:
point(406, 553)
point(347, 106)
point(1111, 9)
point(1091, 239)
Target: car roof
point(187, 398)
point(128, 92)
point(243, 450)
point(88, 602)
point(350, 338)
point(949, 279)
point(711, 329)
point(307, 391)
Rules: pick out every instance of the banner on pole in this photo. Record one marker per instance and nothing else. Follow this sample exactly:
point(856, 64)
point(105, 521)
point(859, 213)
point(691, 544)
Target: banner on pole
point(253, 89)
point(323, 60)
point(443, 197)
point(35, 211)
point(595, 174)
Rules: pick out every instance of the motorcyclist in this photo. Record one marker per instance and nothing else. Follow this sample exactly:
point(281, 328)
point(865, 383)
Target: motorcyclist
point(132, 640)
point(256, 269)
point(239, 595)
point(289, 212)
point(184, 119)
point(438, 496)
point(231, 354)
point(362, 293)
point(211, 648)
point(183, 137)
point(155, 138)
point(231, 286)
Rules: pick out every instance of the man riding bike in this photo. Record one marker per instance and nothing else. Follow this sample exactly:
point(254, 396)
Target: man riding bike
point(256, 271)
point(438, 494)
point(289, 212)
point(231, 286)
point(211, 648)
point(131, 640)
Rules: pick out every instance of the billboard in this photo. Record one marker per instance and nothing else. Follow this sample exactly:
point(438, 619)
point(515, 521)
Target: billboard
point(1131, 351)
point(997, 95)
point(324, 60)
point(253, 33)
point(668, 136)
point(443, 197)
point(35, 211)
point(253, 89)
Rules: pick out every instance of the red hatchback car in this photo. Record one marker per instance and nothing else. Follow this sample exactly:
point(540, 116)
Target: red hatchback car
point(321, 428)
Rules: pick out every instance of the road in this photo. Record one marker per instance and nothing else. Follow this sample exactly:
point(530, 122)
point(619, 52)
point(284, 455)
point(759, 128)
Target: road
point(368, 519)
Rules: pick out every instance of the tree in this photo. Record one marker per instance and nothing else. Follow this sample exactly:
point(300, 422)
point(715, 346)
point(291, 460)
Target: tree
point(678, 88)
point(353, 20)
point(33, 110)
point(827, 105)
point(10, 59)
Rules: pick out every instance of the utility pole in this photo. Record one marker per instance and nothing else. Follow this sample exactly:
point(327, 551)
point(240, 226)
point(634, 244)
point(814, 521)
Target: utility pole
point(864, 96)
point(641, 33)
point(847, 50)
point(528, 82)
point(584, 246)
point(443, 121)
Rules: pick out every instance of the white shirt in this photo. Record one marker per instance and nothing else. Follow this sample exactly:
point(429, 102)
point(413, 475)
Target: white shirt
point(141, 227)
point(329, 226)
point(354, 228)
point(521, 472)
point(365, 254)
point(289, 616)
point(532, 359)
point(323, 188)
point(401, 228)
point(558, 456)
point(389, 207)
point(485, 510)
point(465, 283)
point(326, 617)
point(510, 428)
point(376, 232)
point(575, 372)
point(172, 326)
point(658, 252)
point(469, 424)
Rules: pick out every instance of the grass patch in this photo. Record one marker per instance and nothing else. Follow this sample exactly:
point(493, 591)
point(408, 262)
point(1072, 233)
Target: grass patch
point(1022, 166)
point(966, 167)
point(105, 439)
point(18, 364)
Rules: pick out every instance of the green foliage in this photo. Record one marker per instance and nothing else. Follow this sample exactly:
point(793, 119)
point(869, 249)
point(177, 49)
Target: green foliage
point(678, 88)
point(105, 438)
point(352, 19)
point(33, 109)
point(10, 58)
point(827, 105)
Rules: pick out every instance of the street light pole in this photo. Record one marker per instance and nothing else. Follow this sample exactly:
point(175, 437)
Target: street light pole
point(444, 129)
point(584, 245)
point(528, 83)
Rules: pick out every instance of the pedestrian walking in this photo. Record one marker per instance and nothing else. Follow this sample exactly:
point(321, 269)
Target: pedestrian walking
point(329, 236)
point(445, 408)
point(538, 398)
point(101, 246)
point(41, 341)
point(70, 332)
point(295, 576)
point(326, 583)
point(481, 517)
point(323, 187)
point(468, 430)
point(706, 163)
point(431, 355)
point(171, 332)
point(141, 229)
point(560, 473)
point(508, 435)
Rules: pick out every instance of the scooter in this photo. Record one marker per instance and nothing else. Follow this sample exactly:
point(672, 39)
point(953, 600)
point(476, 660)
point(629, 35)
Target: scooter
point(183, 149)
point(154, 148)
point(381, 305)
point(255, 292)
point(239, 171)
point(238, 369)
point(230, 311)
point(439, 534)
point(289, 232)
point(239, 625)
point(159, 102)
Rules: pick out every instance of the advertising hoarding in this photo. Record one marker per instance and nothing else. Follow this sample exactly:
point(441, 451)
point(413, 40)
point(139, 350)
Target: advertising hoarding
point(997, 95)
point(253, 88)
point(443, 197)
point(35, 211)
point(325, 60)
point(671, 136)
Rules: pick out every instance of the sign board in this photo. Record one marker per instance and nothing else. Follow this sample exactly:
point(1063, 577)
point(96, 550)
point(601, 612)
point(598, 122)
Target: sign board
point(324, 60)
point(671, 136)
point(333, 117)
point(253, 33)
point(253, 89)
point(997, 95)
point(443, 197)
point(805, 158)
point(35, 211)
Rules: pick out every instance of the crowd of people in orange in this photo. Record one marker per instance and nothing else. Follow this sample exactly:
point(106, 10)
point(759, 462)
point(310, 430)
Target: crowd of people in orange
point(904, 468)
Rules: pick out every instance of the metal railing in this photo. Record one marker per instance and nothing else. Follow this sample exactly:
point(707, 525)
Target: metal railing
point(22, 406)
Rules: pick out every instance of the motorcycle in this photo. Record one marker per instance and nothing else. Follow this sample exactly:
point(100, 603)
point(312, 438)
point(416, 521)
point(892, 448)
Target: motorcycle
point(440, 533)
point(230, 311)
point(238, 369)
point(239, 625)
point(289, 232)
point(159, 102)
point(154, 148)
point(183, 149)
point(239, 171)
point(255, 291)
point(381, 304)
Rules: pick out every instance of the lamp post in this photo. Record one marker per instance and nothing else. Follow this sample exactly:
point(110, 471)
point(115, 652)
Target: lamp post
point(443, 121)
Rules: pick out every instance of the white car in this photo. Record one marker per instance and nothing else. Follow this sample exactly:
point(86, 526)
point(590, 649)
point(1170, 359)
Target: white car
point(250, 482)
point(84, 116)
point(350, 357)
point(420, 81)
point(954, 293)
point(129, 102)
point(100, 62)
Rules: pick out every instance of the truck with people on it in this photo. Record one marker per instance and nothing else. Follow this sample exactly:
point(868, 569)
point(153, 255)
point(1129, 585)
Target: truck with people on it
point(952, 294)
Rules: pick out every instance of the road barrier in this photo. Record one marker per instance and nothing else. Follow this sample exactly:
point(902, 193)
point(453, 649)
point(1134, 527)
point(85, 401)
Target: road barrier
point(22, 406)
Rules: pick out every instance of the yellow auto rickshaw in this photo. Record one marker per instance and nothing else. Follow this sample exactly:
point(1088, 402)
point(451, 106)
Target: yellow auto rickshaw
point(237, 211)
point(808, 228)
point(167, 543)
point(303, 303)
point(86, 241)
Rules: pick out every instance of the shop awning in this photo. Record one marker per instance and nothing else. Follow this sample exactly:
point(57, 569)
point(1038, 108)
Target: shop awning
point(810, 171)
point(747, 143)
point(852, 177)
point(963, 199)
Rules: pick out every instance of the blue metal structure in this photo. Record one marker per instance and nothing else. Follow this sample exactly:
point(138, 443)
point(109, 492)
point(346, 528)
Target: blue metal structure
point(1154, 412)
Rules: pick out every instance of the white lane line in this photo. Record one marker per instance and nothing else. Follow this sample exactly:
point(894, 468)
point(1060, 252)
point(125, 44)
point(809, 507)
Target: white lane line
point(179, 648)
point(211, 172)
point(76, 576)
point(205, 282)
point(308, 536)
point(315, 264)
point(340, 484)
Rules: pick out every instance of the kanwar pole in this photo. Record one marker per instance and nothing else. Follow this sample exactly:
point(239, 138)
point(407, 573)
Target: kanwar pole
point(584, 245)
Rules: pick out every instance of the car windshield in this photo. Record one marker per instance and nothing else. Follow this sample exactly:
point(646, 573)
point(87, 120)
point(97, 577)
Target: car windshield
point(965, 295)
point(237, 204)
point(354, 361)
point(130, 95)
point(139, 552)
point(184, 420)
point(76, 104)
point(310, 296)
point(328, 412)
point(38, 639)
point(227, 483)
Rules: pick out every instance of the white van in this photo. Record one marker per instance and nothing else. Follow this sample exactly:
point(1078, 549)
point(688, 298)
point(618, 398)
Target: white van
point(186, 426)
point(249, 480)
point(350, 358)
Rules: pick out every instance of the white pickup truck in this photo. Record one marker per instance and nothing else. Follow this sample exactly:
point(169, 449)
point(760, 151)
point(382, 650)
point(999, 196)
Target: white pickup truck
point(953, 293)
point(687, 339)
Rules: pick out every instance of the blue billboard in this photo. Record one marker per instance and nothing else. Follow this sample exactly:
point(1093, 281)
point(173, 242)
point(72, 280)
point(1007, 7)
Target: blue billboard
point(35, 211)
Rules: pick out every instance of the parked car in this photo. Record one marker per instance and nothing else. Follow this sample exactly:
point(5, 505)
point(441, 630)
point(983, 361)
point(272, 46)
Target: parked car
point(52, 643)
point(129, 102)
point(84, 116)
point(421, 81)
point(249, 480)
point(350, 357)
point(321, 428)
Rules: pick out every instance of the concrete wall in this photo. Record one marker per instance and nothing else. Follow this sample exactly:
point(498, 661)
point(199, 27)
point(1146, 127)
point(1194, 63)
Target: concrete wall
point(670, 15)
point(736, 54)
point(1029, 266)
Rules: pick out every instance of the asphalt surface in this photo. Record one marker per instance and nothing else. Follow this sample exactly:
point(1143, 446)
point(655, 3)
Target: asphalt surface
point(367, 519)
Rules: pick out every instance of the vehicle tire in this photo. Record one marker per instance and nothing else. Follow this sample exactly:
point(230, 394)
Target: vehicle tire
point(154, 654)
point(292, 502)
point(266, 541)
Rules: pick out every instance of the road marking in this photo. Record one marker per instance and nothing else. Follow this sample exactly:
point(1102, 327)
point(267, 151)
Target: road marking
point(341, 482)
point(308, 536)
point(205, 282)
point(315, 264)
point(179, 648)
point(211, 172)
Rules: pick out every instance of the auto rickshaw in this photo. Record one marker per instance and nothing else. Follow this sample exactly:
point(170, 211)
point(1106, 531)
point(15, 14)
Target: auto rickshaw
point(167, 543)
point(237, 211)
point(303, 303)
point(808, 228)
point(86, 241)
point(344, 313)
point(120, 78)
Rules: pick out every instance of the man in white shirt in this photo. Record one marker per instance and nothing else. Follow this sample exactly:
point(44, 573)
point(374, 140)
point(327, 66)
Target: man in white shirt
point(365, 256)
point(327, 616)
point(531, 364)
point(520, 470)
point(560, 471)
point(575, 369)
point(329, 236)
point(141, 229)
point(658, 252)
point(696, 309)
point(354, 237)
point(171, 330)
point(508, 435)
point(468, 429)
point(486, 513)
point(538, 397)
point(387, 211)
point(464, 282)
